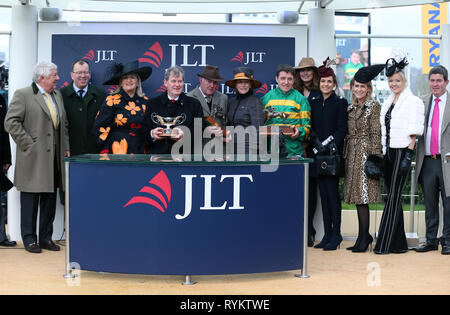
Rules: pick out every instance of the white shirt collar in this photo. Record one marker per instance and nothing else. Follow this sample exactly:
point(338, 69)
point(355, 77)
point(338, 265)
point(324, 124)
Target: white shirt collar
point(175, 99)
point(77, 89)
point(442, 98)
point(41, 89)
point(204, 96)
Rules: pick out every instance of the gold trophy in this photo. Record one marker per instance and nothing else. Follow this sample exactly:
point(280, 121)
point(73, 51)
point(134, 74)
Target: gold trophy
point(168, 123)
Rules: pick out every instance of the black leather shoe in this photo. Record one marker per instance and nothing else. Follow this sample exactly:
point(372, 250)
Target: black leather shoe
point(33, 248)
point(50, 246)
point(445, 250)
point(426, 248)
point(7, 243)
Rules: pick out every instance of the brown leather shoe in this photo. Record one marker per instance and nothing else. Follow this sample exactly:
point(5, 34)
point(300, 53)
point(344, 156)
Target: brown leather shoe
point(50, 246)
point(33, 248)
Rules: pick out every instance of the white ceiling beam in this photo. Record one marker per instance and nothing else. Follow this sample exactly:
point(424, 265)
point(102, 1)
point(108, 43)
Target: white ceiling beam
point(223, 7)
point(375, 4)
point(199, 1)
point(215, 6)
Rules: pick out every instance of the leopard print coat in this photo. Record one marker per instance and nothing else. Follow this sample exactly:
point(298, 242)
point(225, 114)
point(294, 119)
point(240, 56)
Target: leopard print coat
point(363, 139)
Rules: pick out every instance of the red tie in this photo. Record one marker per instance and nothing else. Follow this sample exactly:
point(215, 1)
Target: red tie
point(434, 145)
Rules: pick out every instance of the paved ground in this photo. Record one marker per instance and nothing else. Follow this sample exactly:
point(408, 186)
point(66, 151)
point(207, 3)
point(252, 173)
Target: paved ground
point(338, 272)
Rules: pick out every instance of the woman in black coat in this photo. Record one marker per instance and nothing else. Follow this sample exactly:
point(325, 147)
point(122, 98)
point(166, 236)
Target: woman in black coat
point(307, 82)
point(245, 109)
point(118, 126)
point(329, 118)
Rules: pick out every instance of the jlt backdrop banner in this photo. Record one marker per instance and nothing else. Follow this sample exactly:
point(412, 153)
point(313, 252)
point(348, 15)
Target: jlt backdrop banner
point(262, 54)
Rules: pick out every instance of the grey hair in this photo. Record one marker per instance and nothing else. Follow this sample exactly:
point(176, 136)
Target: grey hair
point(43, 68)
point(176, 70)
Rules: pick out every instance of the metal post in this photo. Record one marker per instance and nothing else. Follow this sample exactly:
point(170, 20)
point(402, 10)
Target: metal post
point(412, 198)
point(444, 46)
point(23, 58)
point(68, 273)
point(321, 41)
point(187, 281)
point(304, 273)
point(390, 36)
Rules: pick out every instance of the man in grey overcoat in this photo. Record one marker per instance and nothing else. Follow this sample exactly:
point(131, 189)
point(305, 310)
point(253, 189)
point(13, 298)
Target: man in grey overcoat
point(431, 170)
point(213, 102)
point(36, 120)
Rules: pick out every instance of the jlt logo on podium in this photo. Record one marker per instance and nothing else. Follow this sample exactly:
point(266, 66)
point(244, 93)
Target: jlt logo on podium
point(159, 192)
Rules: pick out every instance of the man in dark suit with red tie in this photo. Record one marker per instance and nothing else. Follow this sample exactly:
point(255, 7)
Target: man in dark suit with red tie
point(432, 171)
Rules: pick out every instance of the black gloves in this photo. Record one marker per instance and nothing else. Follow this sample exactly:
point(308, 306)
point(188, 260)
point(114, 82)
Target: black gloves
point(405, 163)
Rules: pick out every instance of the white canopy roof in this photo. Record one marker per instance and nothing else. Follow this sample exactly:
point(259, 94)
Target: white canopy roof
point(214, 6)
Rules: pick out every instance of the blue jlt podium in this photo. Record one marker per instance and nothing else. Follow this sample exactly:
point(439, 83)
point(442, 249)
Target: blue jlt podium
point(144, 214)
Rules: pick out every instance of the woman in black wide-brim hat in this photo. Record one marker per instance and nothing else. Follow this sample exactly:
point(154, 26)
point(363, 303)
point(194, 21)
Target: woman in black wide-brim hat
point(245, 109)
point(363, 140)
point(118, 125)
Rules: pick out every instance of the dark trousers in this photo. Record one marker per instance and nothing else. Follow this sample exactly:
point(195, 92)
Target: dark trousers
point(331, 205)
point(312, 205)
point(29, 205)
point(432, 181)
point(2, 223)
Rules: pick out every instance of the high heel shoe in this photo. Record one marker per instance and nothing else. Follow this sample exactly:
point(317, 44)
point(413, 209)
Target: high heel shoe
point(363, 248)
point(334, 243)
point(325, 240)
point(358, 240)
point(311, 239)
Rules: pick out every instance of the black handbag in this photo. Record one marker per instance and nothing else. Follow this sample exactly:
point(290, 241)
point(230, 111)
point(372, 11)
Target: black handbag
point(374, 166)
point(5, 183)
point(330, 165)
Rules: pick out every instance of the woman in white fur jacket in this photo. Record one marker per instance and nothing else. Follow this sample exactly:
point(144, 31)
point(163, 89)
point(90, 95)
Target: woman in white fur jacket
point(401, 118)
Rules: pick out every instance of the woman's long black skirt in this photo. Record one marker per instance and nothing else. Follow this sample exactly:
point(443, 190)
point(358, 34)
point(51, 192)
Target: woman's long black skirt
point(391, 235)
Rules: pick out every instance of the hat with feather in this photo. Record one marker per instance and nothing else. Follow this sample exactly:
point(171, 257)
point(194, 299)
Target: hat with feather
point(393, 65)
point(325, 70)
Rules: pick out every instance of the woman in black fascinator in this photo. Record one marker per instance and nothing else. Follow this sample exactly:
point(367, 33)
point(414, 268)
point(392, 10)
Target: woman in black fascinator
point(402, 120)
point(328, 122)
